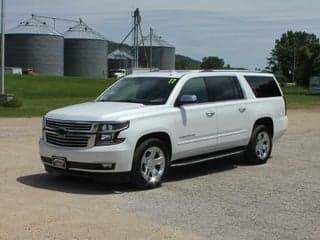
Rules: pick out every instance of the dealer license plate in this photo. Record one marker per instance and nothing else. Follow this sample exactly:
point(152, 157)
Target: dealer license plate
point(59, 162)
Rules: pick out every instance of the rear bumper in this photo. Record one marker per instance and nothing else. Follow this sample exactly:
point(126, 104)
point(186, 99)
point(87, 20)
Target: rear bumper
point(280, 127)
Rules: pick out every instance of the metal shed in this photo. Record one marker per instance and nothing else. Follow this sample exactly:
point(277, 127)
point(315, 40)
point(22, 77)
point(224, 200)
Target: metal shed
point(163, 53)
point(35, 45)
point(120, 60)
point(85, 52)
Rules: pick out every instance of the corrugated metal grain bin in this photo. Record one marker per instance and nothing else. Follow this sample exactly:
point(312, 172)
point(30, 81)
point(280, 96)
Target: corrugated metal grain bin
point(163, 53)
point(85, 52)
point(119, 60)
point(33, 44)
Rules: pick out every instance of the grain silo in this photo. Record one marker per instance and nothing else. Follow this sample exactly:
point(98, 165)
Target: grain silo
point(163, 53)
point(120, 59)
point(34, 45)
point(85, 52)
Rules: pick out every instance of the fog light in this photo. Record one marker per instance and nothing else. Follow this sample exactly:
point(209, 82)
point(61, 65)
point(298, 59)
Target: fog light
point(108, 165)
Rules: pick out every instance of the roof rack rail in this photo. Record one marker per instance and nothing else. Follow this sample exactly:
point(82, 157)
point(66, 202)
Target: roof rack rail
point(200, 71)
point(234, 70)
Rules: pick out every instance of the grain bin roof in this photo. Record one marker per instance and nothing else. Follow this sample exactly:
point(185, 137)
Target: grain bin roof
point(157, 41)
point(33, 26)
point(82, 31)
point(118, 54)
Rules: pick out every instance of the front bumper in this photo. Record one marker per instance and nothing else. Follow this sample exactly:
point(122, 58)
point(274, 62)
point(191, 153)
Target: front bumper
point(110, 178)
point(117, 158)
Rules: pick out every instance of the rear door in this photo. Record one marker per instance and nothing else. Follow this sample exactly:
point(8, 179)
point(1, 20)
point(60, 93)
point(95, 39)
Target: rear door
point(196, 125)
point(231, 110)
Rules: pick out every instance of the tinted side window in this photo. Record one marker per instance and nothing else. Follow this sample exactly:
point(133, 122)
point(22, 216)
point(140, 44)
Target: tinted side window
point(263, 86)
point(224, 88)
point(196, 86)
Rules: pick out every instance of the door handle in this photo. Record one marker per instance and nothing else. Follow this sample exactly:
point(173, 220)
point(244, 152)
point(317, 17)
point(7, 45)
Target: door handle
point(210, 114)
point(242, 110)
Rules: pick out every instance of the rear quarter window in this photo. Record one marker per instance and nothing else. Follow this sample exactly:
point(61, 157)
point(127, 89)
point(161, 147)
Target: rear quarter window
point(263, 86)
point(224, 88)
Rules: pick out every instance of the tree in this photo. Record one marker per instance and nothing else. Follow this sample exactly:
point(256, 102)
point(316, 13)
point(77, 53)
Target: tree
point(296, 56)
point(212, 63)
point(184, 62)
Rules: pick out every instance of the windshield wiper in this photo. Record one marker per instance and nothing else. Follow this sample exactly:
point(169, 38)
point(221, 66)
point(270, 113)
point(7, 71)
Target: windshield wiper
point(128, 101)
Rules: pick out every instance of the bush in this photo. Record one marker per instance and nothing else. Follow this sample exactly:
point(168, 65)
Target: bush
point(12, 103)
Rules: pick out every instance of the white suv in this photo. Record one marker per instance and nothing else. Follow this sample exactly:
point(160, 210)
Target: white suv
point(147, 122)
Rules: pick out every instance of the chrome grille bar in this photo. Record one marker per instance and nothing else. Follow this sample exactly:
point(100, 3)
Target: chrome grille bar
point(69, 134)
point(68, 125)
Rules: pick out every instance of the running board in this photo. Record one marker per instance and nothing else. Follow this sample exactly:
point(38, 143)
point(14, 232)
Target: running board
point(206, 157)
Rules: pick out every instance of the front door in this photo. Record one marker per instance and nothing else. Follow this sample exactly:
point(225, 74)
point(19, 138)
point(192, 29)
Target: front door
point(196, 123)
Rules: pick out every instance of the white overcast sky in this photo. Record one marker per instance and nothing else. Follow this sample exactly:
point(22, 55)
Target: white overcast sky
point(240, 31)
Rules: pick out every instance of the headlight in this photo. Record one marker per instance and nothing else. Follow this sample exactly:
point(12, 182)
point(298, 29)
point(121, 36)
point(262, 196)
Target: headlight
point(108, 133)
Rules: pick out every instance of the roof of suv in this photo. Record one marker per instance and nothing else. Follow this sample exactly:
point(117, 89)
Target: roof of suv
point(179, 74)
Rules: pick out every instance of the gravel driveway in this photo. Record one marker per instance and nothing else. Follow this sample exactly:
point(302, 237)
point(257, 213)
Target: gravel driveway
point(223, 199)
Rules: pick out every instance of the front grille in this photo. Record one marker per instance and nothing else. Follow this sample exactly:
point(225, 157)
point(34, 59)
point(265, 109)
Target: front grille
point(69, 125)
point(67, 141)
point(68, 134)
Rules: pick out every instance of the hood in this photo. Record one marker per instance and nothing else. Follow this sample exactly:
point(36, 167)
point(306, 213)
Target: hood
point(96, 111)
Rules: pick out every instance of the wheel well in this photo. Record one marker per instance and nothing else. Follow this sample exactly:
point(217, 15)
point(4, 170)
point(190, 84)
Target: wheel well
point(160, 135)
point(266, 121)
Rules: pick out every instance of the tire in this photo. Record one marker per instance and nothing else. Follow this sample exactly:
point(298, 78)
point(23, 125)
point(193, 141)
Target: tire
point(150, 164)
point(260, 146)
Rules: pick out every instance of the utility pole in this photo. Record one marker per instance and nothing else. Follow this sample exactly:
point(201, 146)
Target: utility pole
point(2, 47)
point(136, 29)
point(137, 21)
point(151, 38)
point(294, 62)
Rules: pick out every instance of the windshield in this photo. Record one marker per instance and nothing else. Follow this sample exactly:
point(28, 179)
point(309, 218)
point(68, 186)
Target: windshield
point(145, 90)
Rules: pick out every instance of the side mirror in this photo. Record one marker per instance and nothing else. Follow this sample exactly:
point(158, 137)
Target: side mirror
point(187, 99)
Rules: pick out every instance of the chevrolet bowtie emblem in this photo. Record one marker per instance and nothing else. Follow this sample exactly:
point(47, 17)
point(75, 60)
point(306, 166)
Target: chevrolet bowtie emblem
point(62, 131)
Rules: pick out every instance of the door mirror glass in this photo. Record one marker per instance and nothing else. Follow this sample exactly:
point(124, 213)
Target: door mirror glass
point(187, 99)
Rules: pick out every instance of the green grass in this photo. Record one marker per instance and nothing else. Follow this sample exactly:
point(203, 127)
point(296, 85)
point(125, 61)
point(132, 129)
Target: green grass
point(41, 94)
point(298, 98)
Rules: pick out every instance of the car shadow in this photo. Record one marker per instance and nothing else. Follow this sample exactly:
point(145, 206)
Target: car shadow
point(72, 184)
point(91, 186)
point(202, 169)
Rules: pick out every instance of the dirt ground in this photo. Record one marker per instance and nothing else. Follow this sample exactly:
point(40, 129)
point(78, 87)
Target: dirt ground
point(222, 199)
